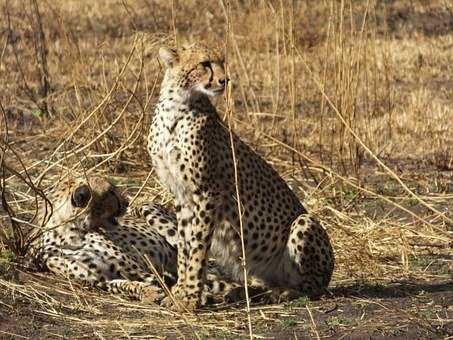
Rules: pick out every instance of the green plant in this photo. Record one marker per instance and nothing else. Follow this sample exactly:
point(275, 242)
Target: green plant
point(6, 258)
point(336, 321)
point(300, 302)
point(288, 323)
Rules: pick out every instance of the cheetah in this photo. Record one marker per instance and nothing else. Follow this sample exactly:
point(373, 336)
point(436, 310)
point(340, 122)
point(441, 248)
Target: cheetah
point(89, 239)
point(286, 248)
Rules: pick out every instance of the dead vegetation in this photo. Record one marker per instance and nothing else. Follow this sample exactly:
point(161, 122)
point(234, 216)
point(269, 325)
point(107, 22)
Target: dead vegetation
point(350, 100)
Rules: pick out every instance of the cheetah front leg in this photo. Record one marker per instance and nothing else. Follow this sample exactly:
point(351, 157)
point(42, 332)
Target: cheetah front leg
point(184, 216)
point(195, 228)
point(74, 268)
point(142, 291)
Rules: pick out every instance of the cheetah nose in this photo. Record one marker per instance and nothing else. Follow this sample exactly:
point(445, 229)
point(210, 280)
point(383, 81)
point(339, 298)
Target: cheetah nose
point(81, 196)
point(223, 81)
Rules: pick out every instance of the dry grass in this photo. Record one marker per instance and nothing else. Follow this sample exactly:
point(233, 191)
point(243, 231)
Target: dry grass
point(350, 100)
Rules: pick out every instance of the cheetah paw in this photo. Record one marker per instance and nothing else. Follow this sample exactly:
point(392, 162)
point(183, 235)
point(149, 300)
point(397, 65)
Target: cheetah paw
point(180, 305)
point(151, 294)
point(281, 295)
point(237, 294)
point(262, 295)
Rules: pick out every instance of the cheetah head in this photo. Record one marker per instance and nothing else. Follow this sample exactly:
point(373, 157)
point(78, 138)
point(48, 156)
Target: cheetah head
point(195, 69)
point(88, 203)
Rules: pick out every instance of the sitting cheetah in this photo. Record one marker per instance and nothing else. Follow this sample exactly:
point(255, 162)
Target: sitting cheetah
point(88, 239)
point(286, 248)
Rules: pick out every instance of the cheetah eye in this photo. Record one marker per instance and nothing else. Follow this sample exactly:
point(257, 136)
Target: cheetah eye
point(206, 63)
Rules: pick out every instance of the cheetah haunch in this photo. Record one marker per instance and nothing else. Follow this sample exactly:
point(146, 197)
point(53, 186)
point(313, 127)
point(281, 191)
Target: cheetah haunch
point(192, 155)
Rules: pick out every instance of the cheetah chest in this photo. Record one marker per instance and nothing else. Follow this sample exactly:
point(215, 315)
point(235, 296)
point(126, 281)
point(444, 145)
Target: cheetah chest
point(165, 153)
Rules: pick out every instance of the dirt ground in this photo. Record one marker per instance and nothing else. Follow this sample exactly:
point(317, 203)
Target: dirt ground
point(409, 309)
point(352, 102)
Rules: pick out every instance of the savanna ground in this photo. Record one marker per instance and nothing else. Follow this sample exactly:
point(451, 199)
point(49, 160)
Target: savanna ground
point(352, 101)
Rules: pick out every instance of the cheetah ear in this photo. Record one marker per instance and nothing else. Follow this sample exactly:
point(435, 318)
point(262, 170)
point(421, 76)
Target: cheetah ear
point(168, 55)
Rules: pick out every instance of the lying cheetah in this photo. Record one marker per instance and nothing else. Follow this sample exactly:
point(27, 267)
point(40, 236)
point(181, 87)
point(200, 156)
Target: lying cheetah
point(191, 152)
point(88, 239)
